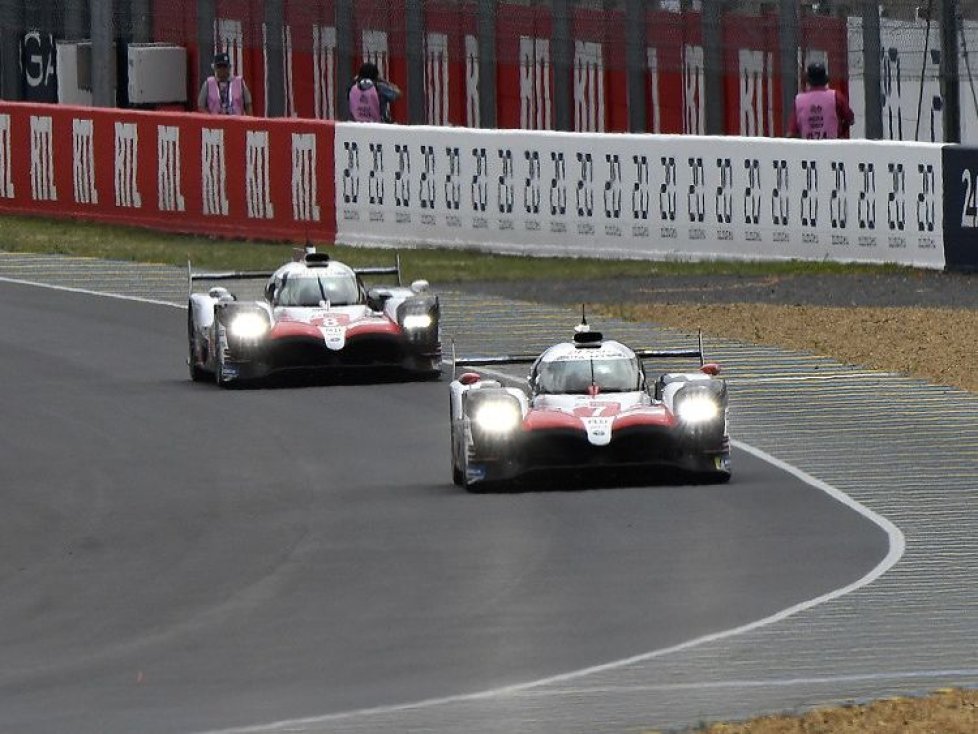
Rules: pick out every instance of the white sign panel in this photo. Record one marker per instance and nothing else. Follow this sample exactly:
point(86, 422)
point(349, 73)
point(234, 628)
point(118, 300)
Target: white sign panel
point(640, 196)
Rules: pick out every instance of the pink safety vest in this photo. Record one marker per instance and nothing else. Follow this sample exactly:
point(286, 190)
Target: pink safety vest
point(235, 97)
point(816, 114)
point(365, 103)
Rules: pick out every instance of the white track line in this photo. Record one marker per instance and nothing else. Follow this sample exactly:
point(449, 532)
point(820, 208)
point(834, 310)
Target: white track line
point(87, 292)
point(766, 682)
point(808, 378)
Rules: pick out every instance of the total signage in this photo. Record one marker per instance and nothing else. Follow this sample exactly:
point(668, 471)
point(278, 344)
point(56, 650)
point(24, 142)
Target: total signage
point(640, 195)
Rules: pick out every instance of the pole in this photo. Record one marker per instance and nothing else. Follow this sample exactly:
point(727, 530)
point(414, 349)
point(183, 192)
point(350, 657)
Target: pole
point(636, 63)
point(788, 37)
point(872, 58)
point(487, 63)
point(563, 65)
point(206, 38)
point(274, 59)
point(11, 36)
point(713, 98)
point(345, 52)
point(103, 53)
point(417, 106)
point(950, 81)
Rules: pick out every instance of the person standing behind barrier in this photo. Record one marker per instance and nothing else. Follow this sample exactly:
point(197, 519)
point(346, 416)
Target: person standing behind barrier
point(820, 112)
point(370, 96)
point(223, 94)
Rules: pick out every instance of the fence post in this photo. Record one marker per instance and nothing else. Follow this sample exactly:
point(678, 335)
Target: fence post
point(344, 55)
point(788, 38)
point(103, 55)
point(635, 63)
point(206, 18)
point(872, 55)
point(274, 59)
point(140, 21)
point(487, 63)
point(563, 56)
point(713, 99)
point(950, 82)
point(73, 25)
point(11, 33)
point(416, 45)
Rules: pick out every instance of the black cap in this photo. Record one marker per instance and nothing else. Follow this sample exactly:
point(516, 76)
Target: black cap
point(222, 60)
point(369, 70)
point(817, 76)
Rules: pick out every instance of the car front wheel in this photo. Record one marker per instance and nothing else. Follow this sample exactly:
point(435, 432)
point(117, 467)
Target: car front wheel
point(197, 373)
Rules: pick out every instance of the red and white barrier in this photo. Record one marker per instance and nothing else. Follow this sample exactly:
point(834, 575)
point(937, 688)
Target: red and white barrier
point(242, 177)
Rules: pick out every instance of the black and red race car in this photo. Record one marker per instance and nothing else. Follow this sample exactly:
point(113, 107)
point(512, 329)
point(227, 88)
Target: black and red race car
point(315, 315)
point(589, 407)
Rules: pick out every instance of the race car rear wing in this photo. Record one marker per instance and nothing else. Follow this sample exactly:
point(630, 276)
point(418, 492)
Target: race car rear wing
point(489, 361)
point(192, 276)
point(394, 269)
point(531, 358)
point(675, 353)
point(500, 360)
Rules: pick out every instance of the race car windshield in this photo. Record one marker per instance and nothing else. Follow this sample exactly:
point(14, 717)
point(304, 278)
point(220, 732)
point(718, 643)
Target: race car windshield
point(574, 376)
point(337, 290)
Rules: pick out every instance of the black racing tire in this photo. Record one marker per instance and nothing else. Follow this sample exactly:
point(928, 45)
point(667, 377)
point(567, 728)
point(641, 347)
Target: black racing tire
point(197, 373)
point(219, 370)
point(713, 477)
point(458, 476)
point(484, 487)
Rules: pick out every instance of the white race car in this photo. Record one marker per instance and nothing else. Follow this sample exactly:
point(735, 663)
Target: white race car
point(316, 315)
point(588, 406)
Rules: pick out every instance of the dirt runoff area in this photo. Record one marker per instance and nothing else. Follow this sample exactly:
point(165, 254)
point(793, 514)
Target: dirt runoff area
point(936, 344)
point(947, 711)
point(920, 323)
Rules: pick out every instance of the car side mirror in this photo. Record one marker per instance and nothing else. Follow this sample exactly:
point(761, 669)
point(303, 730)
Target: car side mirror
point(469, 378)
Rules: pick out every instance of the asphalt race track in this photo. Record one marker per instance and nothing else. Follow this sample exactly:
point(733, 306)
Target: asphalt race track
point(177, 558)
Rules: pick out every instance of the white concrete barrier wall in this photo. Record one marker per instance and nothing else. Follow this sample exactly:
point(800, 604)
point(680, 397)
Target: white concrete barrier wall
point(639, 196)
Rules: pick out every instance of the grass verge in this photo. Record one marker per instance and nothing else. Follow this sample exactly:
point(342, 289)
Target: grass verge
point(112, 242)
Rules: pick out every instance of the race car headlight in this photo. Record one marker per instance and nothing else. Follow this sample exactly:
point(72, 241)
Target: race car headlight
point(698, 409)
point(248, 326)
point(415, 321)
point(497, 416)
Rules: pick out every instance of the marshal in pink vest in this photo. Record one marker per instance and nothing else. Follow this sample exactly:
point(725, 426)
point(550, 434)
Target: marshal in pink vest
point(365, 102)
point(816, 114)
point(235, 104)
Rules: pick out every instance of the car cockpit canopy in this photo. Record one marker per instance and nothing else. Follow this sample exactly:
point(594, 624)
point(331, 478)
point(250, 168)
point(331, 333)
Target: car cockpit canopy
point(312, 288)
point(577, 376)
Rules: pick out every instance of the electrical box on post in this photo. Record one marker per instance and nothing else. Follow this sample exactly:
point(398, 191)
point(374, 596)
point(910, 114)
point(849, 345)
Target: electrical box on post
point(157, 73)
